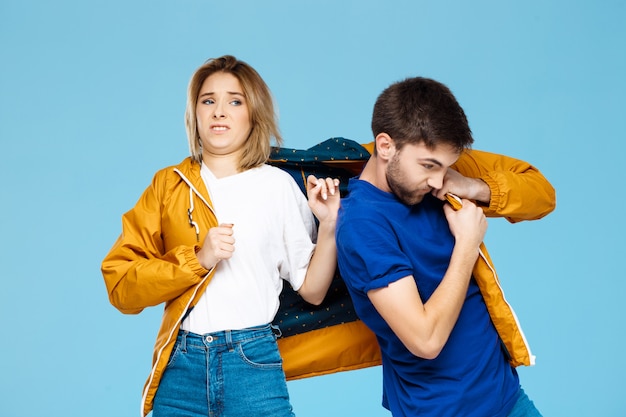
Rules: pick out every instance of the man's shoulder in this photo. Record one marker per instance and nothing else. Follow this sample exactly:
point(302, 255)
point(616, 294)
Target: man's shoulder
point(359, 215)
point(364, 200)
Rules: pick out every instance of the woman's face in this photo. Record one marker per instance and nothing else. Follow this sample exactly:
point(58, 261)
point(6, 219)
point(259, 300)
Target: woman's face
point(222, 115)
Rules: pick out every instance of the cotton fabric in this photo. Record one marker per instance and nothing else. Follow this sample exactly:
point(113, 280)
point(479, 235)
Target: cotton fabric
point(274, 232)
point(381, 240)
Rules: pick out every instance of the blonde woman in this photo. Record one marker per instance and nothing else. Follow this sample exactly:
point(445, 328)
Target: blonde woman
point(213, 238)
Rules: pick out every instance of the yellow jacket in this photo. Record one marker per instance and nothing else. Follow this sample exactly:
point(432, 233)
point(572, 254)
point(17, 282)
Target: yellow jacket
point(153, 262)
point(518, 192)
point(154, 259)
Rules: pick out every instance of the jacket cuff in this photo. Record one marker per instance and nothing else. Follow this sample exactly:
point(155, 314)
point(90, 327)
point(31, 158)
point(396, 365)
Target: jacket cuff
point(192, 261)
point(496, 195)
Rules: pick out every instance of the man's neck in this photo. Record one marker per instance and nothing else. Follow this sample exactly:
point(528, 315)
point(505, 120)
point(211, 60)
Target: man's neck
point(374, 173)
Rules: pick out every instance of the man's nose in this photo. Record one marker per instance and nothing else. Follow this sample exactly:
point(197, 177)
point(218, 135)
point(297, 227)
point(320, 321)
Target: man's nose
point(435, 181)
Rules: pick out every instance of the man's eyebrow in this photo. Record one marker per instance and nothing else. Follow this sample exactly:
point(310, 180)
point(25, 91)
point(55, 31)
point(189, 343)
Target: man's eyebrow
point(431, 160)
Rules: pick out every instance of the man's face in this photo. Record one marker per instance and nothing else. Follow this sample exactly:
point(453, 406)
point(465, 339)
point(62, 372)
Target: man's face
point(416, 170)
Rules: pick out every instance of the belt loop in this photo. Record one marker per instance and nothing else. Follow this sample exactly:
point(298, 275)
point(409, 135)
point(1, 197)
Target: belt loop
point(183, 341)
point(276, 331)
point(229, 340)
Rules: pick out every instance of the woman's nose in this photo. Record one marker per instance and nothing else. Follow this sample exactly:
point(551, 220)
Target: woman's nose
point(218, 113)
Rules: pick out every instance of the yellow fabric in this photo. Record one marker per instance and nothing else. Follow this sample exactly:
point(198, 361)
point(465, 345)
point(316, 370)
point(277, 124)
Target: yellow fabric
point(153, 262)
point(500, 311)
point(518, 192)
point(343, 347)
point(156, 249)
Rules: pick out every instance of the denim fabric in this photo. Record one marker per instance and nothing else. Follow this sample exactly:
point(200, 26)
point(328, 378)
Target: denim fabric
point(234, 373)
point(524, 407)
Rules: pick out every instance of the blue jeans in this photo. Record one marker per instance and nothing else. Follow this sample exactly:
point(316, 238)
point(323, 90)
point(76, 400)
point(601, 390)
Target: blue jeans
point(233, 373)
point(524, 407)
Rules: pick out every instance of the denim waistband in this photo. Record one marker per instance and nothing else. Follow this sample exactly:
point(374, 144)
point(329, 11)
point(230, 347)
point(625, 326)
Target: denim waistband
point(227, 337)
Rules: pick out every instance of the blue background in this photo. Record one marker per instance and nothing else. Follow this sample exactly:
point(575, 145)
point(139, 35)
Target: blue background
point(92, 97)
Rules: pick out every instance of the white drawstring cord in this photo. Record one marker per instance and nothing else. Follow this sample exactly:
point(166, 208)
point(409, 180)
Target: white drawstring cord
point(174, 329)
point(189, 211)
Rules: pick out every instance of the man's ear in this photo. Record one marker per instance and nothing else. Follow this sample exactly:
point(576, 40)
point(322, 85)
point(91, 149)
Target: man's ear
point(385, 147)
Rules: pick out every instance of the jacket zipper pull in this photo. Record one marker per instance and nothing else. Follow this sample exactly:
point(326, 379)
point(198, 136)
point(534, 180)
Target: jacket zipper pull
point(193, 224)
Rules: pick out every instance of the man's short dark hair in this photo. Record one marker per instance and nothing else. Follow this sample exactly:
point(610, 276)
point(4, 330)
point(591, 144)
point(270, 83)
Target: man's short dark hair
point(421, 110)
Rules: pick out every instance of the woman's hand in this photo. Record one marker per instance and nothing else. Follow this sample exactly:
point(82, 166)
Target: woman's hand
point(324, 199)
point(219, 244)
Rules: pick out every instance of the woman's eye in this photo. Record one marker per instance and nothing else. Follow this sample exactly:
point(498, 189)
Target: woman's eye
point(208, 101)
point(236, 102)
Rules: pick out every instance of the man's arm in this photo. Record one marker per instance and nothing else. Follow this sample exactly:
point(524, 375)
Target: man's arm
point(507, 187)
point(424, 328)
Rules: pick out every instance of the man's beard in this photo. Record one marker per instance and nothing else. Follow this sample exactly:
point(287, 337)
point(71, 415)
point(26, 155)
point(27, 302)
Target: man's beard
point(396, 181)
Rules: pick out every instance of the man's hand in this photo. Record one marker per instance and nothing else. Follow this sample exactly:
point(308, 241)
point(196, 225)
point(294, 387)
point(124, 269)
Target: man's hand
point(468, 224)
point(465, 187)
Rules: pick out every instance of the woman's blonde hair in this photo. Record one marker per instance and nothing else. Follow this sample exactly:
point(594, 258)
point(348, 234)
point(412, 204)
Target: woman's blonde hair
point(263, 118)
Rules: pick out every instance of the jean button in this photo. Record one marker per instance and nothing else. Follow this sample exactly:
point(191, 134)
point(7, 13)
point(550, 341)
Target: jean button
point(209, 339)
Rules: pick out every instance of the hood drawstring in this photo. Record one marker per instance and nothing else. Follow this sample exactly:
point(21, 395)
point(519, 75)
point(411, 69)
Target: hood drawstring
point(189, 211)
point(174, 329)
point(192, 191)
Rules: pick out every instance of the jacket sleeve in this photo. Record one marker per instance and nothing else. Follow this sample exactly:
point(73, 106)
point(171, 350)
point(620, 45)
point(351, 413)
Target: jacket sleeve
point(137, 271)
point(518, 190)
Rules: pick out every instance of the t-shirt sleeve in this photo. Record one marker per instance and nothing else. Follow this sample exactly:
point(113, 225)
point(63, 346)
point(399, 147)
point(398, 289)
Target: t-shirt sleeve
point(299, 234)
point(369, 254)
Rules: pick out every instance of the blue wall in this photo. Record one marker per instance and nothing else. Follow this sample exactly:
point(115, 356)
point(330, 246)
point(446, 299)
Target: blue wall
point(92, 97)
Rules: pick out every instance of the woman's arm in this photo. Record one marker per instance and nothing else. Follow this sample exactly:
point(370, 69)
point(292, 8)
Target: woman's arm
point(324, 200)
point(137, 271)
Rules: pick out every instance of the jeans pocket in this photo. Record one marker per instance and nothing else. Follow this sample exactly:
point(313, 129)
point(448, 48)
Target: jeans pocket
point(260, 353)
point(176, 352)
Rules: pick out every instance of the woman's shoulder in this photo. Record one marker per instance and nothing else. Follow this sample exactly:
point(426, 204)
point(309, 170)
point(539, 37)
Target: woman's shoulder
point(270, 172)
point(280, 182)
point(168, 177)
point(187, 167)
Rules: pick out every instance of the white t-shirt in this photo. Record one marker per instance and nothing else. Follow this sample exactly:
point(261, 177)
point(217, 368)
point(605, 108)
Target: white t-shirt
point(274, 233)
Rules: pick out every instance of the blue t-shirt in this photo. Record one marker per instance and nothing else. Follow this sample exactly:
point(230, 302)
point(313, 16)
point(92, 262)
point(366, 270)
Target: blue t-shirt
point(381, 240)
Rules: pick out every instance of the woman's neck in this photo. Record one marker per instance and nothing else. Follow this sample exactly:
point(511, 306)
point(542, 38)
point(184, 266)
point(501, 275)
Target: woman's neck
point(222, 165)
